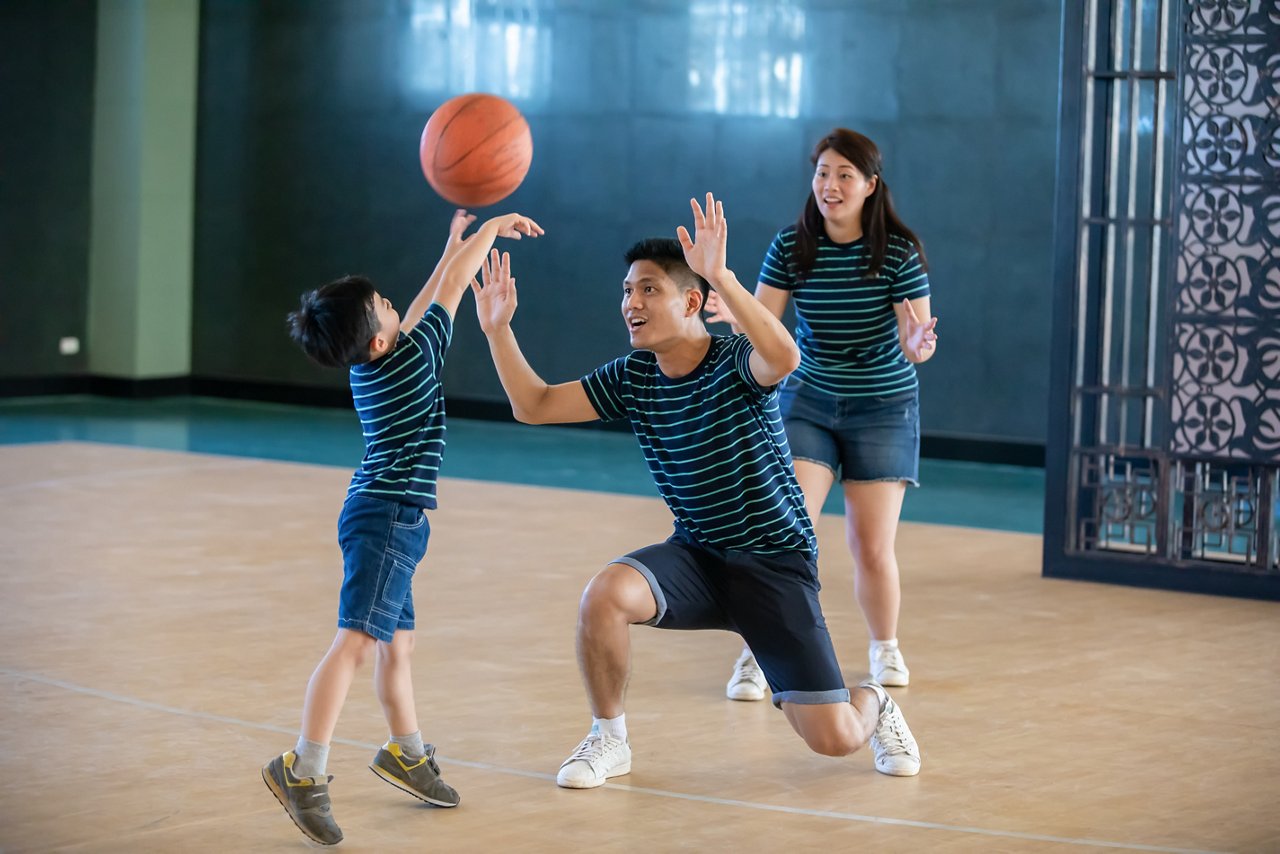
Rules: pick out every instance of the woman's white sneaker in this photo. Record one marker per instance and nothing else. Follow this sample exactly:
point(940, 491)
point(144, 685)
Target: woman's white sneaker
point(887, 666)
point(747, 682)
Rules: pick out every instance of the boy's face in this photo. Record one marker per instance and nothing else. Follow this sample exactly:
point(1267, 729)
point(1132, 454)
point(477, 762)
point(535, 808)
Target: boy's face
point(655, 308)
point(388, 326)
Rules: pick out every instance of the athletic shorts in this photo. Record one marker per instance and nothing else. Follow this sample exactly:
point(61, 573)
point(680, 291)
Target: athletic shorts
point(770, 600)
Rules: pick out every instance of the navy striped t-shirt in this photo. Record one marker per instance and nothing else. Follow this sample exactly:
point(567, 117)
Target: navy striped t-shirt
point(846, 326)
point(401, 409)
point(715, 445)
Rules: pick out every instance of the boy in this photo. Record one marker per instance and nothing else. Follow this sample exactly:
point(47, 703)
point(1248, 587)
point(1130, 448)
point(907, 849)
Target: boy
point(395, 366)
point(742, 557)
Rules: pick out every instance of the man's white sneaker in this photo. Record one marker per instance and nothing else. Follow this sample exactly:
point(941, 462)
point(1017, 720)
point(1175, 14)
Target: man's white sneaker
point(897, 753)
point(887, 666)
point(597, 758)
point(747, 682)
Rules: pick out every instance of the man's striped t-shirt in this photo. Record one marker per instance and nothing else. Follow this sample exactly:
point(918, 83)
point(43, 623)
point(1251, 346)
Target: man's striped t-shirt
point(715, 445)
point(401, 409)
point(846, 326)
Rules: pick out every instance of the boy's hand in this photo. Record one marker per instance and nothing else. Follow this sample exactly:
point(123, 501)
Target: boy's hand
point(461, 220)
point(496, 301)
point(705, 252)
point(514, 226)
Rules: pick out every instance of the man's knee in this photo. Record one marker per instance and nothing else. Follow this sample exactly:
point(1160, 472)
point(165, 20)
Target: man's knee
point(617, 592)
point(832, 743)
point(830, 730)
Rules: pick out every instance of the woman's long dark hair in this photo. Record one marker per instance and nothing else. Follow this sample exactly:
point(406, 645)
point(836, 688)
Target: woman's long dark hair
point(879, 219)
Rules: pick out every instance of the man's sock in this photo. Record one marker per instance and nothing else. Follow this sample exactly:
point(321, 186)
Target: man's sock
point(614, 727)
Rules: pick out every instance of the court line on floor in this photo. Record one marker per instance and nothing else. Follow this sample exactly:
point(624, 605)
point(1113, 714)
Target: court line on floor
point(662, 793)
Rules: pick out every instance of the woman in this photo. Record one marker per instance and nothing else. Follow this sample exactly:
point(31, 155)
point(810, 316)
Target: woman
point(851, 409)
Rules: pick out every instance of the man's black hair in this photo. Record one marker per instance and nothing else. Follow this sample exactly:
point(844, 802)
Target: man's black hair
point(667, 254)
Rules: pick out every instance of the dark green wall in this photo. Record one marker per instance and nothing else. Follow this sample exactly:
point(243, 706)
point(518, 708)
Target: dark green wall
point(46, 124)
point(309, 118)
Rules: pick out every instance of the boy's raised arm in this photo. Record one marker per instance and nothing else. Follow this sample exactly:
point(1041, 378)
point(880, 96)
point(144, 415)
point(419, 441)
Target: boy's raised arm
point(446, 288)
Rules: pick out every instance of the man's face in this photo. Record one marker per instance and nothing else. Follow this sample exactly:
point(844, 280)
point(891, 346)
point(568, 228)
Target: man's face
point(653, 306)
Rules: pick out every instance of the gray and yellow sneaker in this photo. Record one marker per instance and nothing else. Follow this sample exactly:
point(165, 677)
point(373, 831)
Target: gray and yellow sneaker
point(305, 799)
point(419, 776)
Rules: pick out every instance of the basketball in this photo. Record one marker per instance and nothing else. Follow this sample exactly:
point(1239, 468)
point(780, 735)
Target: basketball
point(475, 149)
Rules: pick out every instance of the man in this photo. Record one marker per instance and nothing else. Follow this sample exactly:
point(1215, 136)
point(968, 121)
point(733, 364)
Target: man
point(742, 557)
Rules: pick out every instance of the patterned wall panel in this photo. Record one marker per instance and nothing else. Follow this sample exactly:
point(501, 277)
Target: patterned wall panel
point(1169, 469)
point(1225, 378)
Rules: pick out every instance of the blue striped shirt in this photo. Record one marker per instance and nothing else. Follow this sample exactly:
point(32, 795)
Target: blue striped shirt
point(401, 409)
point(714, 443)
point(846, 326)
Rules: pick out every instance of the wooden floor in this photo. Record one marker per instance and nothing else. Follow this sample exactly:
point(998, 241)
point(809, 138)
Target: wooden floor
point(163, 611)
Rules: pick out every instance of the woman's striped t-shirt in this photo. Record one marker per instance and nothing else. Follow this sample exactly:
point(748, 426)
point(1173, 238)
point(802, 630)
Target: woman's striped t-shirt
point(401, 409)
point(715, 445)
point(846, 326)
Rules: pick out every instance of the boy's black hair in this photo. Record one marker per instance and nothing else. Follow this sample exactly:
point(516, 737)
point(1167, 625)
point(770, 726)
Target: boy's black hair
point(667, 254)
point(335, 322)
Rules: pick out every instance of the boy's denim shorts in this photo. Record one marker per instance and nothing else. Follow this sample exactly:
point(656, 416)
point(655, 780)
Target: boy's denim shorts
point(861, 439)
point(771, 600)
point(382, 543)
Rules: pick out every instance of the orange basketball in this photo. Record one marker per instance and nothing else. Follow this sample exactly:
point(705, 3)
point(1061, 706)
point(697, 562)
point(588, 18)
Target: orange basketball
point(476, 149)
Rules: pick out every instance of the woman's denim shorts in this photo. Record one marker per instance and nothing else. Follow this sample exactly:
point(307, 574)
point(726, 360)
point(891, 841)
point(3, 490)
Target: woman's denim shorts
point(861, 439)
point(382, 543)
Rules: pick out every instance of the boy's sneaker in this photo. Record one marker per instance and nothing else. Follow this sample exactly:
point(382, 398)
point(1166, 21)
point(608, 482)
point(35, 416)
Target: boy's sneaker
point(597, 758)
point(747, 682)
point(897, 753)
point(887, 666)
point(418, 776)
point(305, 799)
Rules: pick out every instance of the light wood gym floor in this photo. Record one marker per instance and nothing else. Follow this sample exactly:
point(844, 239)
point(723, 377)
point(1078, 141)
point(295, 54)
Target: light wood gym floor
point(163, 611)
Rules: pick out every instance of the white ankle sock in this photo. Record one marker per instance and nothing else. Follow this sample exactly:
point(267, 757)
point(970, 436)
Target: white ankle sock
point(411, 744)
point(891, 643)
point(614, 727)
point(311, 758)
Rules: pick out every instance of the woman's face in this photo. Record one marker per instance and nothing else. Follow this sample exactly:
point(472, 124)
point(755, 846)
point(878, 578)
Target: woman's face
point(839, 188)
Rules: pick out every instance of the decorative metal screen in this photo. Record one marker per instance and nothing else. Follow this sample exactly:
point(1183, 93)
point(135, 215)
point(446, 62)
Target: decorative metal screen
point(1168, 428)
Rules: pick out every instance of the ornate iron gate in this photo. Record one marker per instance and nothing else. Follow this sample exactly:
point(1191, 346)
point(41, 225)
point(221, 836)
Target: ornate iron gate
point(1163, 454)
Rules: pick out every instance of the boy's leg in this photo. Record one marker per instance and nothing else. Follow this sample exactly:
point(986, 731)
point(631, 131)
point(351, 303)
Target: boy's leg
point(404, 761)
point(327, 690)
point(393, 682)
point(297, 777)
